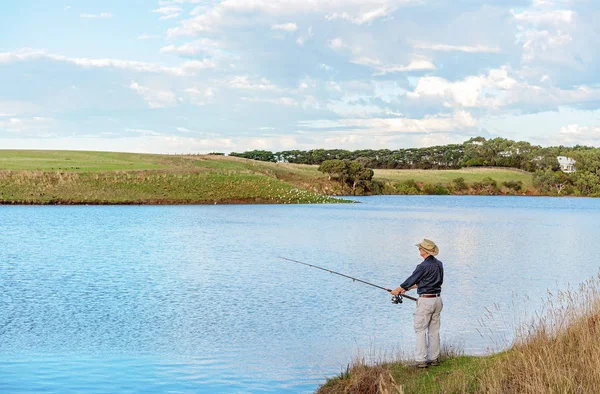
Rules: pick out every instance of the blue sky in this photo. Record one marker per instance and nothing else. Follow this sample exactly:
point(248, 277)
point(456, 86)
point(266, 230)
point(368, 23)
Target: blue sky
point(196, 76)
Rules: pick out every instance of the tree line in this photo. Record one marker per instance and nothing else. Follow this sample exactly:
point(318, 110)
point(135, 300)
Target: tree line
point(476, 152)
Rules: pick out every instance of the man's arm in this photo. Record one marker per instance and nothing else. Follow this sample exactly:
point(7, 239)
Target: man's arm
point(401, 290)
point(410, 283)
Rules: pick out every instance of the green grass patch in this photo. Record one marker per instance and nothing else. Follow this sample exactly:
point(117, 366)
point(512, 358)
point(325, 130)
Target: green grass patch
point(470, 175)
point(30, 176)
point(150, 187)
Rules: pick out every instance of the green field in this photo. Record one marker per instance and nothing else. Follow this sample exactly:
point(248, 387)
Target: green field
point(446, 176)
point(69, 177)
point(76, 177)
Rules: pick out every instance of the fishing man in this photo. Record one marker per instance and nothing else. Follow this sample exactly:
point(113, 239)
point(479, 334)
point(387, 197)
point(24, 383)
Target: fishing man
point(427, 279)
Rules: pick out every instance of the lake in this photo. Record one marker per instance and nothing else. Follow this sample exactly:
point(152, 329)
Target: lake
point(194, 299)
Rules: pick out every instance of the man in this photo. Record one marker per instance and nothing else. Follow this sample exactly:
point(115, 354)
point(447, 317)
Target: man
point(427, 279)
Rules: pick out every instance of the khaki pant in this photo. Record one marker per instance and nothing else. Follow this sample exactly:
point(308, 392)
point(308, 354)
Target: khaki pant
point(427, 328)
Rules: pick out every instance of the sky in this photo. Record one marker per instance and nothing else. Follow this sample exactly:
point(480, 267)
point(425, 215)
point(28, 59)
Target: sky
point(200, 76)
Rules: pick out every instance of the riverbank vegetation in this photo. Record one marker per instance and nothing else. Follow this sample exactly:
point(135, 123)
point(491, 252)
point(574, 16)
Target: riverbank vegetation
point(73, 177)
point(558, 351)
point(542, 162)
point(65, 177)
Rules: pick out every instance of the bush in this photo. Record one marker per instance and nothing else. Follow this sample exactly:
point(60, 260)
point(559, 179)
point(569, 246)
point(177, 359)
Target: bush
point(413, 184)
point(439, 189)
point(513, 185)
point(405, 189)
point(487, 186)
point(408, 187)
point(459, 184)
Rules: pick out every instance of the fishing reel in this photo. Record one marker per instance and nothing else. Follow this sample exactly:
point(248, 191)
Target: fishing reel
point(397, 299)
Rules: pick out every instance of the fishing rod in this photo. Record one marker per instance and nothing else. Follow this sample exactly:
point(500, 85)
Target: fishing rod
point(395, 299)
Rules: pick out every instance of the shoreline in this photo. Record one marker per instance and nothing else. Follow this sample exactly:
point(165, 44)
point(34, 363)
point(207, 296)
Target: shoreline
point(253, 201)
point(98, 178)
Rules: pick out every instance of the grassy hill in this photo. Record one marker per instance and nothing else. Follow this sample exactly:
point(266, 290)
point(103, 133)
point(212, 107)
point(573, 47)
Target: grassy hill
point(78, 177)
point(70, 177)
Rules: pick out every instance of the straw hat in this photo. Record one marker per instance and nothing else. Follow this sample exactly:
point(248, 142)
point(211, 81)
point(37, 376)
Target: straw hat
point(429, 246)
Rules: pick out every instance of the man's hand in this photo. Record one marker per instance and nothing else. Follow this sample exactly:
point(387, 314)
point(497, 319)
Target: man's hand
point(398, 290)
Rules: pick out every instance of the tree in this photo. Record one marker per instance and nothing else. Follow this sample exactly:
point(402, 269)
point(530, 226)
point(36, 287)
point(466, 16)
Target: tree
point(334, 168)
point(349, 173)
point(550, 181)
point(260, 155)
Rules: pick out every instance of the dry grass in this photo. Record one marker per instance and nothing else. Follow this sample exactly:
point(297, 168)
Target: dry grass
point(445, 177)
point(362, 379)
point(558, 351)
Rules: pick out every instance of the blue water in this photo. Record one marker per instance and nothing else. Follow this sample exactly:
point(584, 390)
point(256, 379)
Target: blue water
point(193, 299)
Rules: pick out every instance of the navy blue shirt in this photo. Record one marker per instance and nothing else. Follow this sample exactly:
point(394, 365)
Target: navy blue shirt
point(428, 276)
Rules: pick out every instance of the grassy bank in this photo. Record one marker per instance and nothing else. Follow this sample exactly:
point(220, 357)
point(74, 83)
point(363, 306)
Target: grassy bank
point(470, 175)
point(76, 177)
point(65, 177)
point(558, 352)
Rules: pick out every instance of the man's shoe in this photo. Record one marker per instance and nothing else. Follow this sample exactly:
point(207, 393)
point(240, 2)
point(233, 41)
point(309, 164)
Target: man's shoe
point(418, 365)
point(434, 363)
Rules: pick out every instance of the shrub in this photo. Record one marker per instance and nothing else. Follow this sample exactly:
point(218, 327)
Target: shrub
point(513, 185)
point(486, 186)
point(438, 189)
point(412, 183)
point(403, 188)
point(460, 184)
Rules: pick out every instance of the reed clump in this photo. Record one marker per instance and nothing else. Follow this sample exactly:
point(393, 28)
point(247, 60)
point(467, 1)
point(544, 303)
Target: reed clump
point(556, 351)
point(559, 352)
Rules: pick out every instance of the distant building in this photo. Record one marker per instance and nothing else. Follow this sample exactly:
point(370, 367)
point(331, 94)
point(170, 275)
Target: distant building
point(566, 164)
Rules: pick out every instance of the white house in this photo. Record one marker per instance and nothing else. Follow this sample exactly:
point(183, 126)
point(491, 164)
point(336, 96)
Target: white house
point(566, 163)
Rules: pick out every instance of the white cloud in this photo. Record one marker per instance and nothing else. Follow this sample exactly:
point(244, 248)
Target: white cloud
point(171, 2)
point(144, 132)
point(545, 45)
point(156, 98)
point(290, 27)
point(417, 64)
point(17, 108)
point(67, 7)
point(279, 101)
point(552, 18)
point(458, 120)
point(104, 15)
point(168, 12)
point(457, 48)
point(581, 131)
point(25, 54)
point(187, 68)
point(337, 44)
point(473, 91)
point(199, 96)
point(243, 82)
point(36, 126)
point(203, 45)
point(574, 134)
point(362, 17)
point(147, 36)
point(226, 12)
